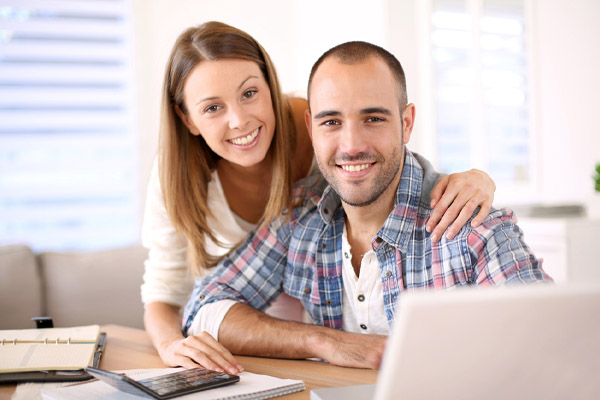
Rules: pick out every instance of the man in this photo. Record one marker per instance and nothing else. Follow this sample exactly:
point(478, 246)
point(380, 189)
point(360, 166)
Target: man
point(355, 242)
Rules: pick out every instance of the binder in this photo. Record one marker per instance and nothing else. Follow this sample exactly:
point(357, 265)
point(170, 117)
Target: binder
point(50, 355)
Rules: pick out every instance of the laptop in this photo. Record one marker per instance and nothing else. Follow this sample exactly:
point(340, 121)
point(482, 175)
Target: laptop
point(527, 342)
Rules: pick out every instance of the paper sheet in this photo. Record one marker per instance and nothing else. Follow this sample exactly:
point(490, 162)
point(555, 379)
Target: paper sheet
point(33, 391)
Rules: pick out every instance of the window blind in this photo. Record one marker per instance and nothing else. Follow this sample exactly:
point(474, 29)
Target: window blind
point(68, 153)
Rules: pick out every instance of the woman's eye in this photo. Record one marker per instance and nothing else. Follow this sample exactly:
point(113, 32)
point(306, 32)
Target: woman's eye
point(211, 109)
point(249, 93)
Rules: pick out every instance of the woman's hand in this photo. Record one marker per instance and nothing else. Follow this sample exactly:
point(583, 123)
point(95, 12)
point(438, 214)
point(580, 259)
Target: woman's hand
point(163, 324)
point(199, 351)
point(455, 198)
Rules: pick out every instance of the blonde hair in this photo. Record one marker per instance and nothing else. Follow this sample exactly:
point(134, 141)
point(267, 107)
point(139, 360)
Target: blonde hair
point(186, 162)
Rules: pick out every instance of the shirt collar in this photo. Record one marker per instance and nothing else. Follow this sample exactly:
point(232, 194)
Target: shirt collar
point(399, 225)
point(329, 203)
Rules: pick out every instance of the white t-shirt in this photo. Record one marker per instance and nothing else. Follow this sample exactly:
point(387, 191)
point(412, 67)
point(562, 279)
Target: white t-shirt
point(166, 276)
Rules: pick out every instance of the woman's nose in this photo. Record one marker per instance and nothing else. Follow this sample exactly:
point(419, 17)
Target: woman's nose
point(238, 117)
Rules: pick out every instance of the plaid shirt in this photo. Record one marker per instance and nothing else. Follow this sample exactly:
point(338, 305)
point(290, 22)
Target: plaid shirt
point(302, 255)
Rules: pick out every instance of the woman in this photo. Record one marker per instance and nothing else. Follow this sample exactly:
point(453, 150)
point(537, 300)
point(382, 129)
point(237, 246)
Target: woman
point(231, 148)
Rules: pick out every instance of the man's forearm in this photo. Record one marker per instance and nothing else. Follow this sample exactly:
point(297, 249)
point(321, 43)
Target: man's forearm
point(246, 331)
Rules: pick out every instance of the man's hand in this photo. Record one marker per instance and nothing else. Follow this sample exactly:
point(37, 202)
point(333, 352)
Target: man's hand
point(246, 331)
point(455, 198)
point(351, 349)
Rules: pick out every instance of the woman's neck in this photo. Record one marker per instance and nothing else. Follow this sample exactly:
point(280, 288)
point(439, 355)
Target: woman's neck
point(246, 188)
point(253, 173)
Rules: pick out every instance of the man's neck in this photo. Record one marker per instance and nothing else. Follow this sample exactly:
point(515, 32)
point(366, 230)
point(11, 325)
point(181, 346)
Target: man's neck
point(363, 223)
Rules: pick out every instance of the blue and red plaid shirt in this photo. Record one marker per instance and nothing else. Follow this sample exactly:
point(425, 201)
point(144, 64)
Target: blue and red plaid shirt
point(302, 256)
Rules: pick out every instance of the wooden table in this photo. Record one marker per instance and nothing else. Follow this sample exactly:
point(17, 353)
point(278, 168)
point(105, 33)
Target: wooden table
point(129, 348)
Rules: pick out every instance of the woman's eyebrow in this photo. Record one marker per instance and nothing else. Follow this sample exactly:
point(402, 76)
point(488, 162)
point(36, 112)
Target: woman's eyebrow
point(246, 80)
point(210, 98)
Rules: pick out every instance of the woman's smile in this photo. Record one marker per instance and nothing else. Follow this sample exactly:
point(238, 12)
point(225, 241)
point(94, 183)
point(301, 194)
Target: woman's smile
point(246, 140)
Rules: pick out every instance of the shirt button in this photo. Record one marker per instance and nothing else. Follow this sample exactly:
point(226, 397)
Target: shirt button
point(307, 290)
point(202, 297)
point(346, 254)
point(325, 211)
point(328, 302)
point(323, 245)
point(388, 274)
point(361, 297)
point(363, 326)
point(378, 240)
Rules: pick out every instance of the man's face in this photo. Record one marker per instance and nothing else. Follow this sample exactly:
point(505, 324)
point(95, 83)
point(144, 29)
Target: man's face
point(357, 129)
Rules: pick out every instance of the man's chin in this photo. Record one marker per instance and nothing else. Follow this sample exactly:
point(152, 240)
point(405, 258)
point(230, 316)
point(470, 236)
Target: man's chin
point(358, 201)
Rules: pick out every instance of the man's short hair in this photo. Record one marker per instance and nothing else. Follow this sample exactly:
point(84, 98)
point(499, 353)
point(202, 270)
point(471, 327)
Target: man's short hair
point(357, 51)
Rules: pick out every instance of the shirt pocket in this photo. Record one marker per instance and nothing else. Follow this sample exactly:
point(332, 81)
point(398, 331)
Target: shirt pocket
point(300, 281)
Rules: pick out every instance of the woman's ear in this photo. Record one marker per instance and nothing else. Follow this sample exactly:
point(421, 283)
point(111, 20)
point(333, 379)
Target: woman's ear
point(186, 120)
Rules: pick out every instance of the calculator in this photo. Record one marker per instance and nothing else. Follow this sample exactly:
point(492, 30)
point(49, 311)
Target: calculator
point(166, 386)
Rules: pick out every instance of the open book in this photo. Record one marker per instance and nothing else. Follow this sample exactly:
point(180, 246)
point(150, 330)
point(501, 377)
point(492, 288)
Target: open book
point(52, 349)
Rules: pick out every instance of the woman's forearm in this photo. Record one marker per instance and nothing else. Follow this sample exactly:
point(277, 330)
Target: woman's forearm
point(163, 324)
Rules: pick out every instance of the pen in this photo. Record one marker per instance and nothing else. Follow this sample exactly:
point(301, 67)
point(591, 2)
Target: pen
point(99, 349)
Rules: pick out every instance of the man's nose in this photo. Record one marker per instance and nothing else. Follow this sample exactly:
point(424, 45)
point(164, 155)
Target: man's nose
point(238, 117)
point(352, 139)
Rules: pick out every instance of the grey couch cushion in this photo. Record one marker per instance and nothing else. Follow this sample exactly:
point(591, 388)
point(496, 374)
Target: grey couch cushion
point(94, 287)
point(20, 287)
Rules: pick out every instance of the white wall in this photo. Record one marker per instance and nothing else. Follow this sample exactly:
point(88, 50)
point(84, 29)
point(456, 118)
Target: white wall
point(566, 45)
point(568, 51)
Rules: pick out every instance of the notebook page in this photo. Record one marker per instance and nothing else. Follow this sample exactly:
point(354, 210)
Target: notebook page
point(254, 386)
point(37, 357)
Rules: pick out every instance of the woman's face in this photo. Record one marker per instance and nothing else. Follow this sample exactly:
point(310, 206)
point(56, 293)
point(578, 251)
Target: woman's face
point(229, 105)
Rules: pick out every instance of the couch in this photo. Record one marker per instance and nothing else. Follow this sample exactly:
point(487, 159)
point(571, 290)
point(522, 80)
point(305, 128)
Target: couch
point(74, 288)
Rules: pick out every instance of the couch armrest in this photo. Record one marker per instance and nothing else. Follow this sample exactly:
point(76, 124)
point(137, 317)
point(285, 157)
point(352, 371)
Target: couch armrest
point(20, 287)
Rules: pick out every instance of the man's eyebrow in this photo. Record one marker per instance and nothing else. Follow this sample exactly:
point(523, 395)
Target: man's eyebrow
point(375, 110)
point(328, 113)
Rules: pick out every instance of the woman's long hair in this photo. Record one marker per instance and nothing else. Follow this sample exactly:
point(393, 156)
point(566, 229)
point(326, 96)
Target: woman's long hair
point(186, 162)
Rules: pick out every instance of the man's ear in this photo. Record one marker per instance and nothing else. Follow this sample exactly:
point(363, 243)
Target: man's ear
point(408, 120)
point(189, 124)
point(308, 121)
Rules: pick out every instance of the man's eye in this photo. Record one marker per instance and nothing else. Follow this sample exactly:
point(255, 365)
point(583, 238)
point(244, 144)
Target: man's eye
point(249, 93)
point(374, 119)
point(331, 122)
point(211, 109)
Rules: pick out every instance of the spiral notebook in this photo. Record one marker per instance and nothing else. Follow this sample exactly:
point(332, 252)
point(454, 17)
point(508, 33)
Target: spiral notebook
point(52, 354)
point(250, 387)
